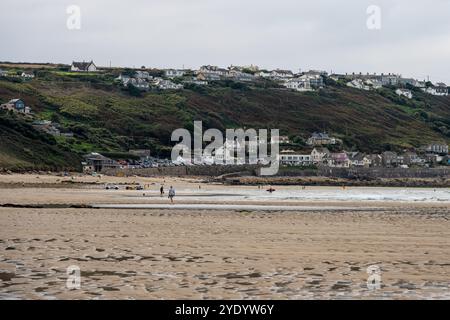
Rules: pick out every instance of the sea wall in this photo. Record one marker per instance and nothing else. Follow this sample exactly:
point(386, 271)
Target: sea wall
point(368, 173)
point(345, 173)
point(210, 171)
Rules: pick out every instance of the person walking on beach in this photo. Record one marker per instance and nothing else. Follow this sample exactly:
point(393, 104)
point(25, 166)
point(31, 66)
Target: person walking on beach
point(161, 191)
point(171, 194)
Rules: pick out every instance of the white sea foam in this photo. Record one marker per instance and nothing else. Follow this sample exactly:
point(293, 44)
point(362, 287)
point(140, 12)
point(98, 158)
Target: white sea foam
point(320, 194)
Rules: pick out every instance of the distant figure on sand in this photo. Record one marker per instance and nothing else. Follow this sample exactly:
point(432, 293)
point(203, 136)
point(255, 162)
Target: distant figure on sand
point(161, 191)
point(171, 194)
point(270, 189)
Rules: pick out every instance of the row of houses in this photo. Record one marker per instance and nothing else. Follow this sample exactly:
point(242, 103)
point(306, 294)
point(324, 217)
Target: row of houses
point(382, 79)
point(376, 81)
point(440, 89)
point(321, 156)
point(24, 75)
point(303, 81)
point(143, 81)
point(16, 106)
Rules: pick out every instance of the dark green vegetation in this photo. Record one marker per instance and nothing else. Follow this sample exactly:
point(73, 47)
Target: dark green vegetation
point(22, 147)
point(105, 117)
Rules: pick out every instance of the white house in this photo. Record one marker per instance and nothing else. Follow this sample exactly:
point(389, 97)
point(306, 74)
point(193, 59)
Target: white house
point(213, 70)
point(358, 84)
point(315, 80)
point(240, 76)
point(374, 83)
point(141, 84)
point(439, 148)
point(142, 75)
point(123, 78)
point(197, 82)
point(404, 93)
point(298, 84)
point(27, 75)
point(263, 74)
point(440, 89)
point(174, 73)
point(293, 159)
point(281, 74)
point(168, 85)
point(411, 82)
point(83, 66)
point(319, 155)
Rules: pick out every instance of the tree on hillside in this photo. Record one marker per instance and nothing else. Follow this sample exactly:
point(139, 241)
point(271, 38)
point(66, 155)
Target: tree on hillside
point(133, 91)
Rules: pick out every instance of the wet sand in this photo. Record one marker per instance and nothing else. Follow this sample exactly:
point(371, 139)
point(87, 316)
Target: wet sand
point(209, 254)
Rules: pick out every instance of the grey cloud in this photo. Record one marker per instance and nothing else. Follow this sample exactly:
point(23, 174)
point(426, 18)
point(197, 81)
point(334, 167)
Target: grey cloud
point(331, 35)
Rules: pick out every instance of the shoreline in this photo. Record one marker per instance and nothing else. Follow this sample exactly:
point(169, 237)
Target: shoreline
point(334, 182)
point(77, 180)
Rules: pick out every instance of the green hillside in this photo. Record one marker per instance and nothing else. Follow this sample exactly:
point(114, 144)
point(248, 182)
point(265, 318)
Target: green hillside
point(22, 147)
point(105, 117)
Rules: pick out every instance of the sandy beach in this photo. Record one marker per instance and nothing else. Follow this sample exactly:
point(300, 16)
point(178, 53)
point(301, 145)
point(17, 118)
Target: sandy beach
point(320, 249)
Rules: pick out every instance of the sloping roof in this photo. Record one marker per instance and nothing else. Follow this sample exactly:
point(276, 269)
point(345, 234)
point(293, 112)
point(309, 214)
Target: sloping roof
point(13, 101)
point(322, 150)
point(96, 156)
point(320, 135)
point(358, 156)
point(282, 71)
point(82, 65)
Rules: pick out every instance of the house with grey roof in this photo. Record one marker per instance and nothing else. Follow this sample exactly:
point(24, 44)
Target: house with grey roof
point(83, 66)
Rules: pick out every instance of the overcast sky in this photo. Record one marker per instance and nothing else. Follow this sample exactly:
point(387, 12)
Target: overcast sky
point(414, 38)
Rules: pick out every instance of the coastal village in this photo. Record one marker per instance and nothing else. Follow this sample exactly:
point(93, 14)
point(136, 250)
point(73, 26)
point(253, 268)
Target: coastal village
point(318, 149)
point(319, 144)
point(176, 79)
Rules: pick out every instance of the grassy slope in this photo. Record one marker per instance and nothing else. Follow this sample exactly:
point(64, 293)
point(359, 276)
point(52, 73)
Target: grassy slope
point(106, 118)
point(21, 147)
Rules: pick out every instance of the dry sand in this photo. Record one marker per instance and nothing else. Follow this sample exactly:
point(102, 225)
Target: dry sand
point(206, 254)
